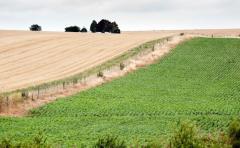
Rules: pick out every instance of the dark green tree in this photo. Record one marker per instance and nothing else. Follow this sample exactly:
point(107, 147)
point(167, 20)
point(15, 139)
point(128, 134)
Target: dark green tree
point(93, 26)
point(35, 27)
point(84, 29)
point(72, 29)
point(115, 28)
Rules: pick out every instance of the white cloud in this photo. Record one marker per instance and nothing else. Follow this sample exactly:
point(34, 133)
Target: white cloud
point(131, 15)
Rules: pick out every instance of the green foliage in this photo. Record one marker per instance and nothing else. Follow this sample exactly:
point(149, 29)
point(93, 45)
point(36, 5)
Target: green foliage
point(39, 141)
point(100, 74)
point(6, 143)
point(182, 34)
point(187, 136)
point(25, 94)
point(195, 81)
point(83, 30)
point(122, 66)
point(93, 27)
point(234, 133)
point(35, 27)
point(110, 142)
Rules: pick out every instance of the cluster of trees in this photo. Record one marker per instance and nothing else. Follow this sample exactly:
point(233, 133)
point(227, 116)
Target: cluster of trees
point(102, 26)
point(35, 27)
point(75, 29)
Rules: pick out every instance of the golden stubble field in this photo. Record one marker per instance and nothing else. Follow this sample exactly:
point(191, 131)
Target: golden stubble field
point(32, 58)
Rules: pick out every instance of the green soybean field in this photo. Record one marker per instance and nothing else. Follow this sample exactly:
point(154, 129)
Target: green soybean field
point(198, 81)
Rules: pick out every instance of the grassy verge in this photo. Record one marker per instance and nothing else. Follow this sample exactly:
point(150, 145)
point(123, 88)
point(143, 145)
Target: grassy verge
point(197, 81)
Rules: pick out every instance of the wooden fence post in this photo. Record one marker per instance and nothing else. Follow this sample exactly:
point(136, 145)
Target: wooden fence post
point(153, 48)
point(38, 93)
point(63, 85)
point(32, 97)
point(7, 102)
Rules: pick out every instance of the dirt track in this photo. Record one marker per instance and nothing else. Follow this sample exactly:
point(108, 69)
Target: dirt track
point(32, 58)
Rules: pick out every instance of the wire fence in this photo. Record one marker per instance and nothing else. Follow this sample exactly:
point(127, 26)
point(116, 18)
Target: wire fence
point(13, 99)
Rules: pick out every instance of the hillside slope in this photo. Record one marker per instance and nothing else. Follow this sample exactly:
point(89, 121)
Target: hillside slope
point(198, 81)
point(32, 58)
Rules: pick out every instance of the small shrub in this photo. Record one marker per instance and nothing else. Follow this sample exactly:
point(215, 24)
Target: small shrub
point(75, 81)
point(6, 143)
point(215, 141)
point(25, 94)
point(122, 66)
point(182, 34)
point(110, 142)
point(234, 133)
point(100, 74)
point(35, 27)
point(39, 141)
point(153, 48)
point(186, 136)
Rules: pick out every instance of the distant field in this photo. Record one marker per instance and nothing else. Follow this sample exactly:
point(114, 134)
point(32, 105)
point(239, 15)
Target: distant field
point(197, 81)
point(32, 58)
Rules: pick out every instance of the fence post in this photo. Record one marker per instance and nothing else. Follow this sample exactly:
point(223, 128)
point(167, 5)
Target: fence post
point(153, 48)
point(32, 97)
point(38, 93)
point(7, 103)
point(63, 85)
point(45, 90)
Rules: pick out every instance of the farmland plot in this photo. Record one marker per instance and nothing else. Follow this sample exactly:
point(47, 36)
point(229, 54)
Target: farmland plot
point(32, 58)
point(197, 81)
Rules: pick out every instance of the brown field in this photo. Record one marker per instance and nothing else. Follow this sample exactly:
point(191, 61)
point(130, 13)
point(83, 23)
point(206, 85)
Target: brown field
point(32, 58)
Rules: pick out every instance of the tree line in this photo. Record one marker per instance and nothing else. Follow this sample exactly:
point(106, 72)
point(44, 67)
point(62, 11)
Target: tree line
point(102, 26)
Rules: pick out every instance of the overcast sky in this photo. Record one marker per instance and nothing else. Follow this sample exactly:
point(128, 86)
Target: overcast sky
point(55, 15)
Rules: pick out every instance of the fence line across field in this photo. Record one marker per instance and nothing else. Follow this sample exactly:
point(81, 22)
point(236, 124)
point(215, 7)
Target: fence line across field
point(10, 100)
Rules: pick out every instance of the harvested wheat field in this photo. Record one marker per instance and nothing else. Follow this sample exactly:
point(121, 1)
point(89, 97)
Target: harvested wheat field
point(32, 58)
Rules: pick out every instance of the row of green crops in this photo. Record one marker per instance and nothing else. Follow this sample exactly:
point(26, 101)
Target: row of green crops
point(185, 135)
point(197, 81)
